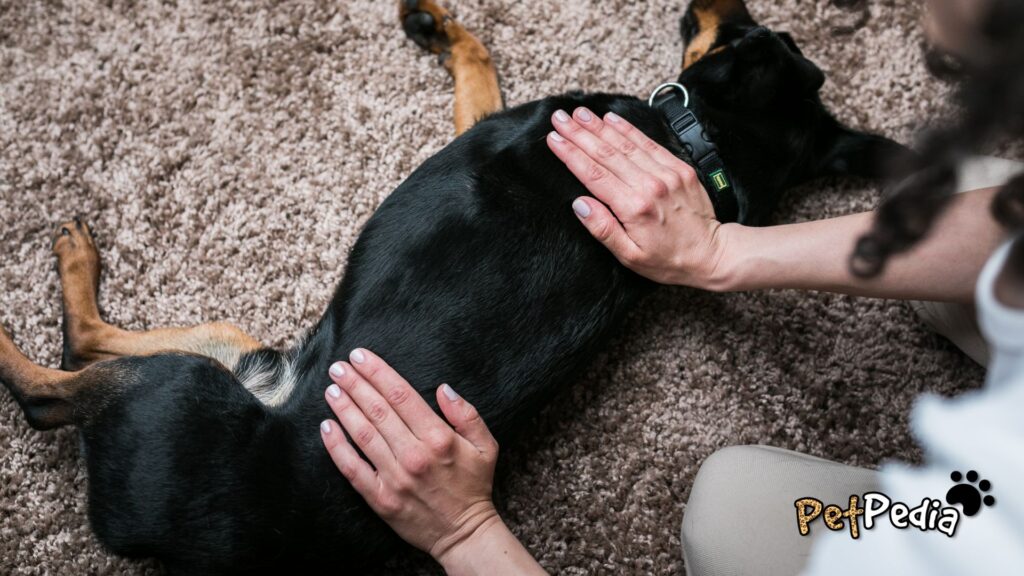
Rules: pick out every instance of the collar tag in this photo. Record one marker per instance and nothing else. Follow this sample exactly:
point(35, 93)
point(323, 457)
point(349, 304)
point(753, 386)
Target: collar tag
point(718, 178)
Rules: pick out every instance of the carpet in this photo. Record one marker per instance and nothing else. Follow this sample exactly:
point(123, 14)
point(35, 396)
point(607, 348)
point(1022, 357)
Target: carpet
point(227, 153)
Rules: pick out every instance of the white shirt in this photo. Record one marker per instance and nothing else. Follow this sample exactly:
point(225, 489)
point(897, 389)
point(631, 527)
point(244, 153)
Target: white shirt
point(981, 431)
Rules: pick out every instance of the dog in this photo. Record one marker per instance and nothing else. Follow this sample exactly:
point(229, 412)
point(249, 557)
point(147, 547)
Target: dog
point(202, 445)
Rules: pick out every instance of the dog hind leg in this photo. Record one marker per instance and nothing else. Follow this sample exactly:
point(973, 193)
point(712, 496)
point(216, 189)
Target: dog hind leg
point(44, 394)
point(477, 92)
point(89, 339)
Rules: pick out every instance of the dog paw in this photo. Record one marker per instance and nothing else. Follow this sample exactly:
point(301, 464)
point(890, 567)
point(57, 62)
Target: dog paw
point(74, 247)
point(968, 494)
point(427, 24)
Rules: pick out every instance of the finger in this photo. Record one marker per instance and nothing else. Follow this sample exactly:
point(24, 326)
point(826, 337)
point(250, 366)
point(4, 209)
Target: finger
point(466, 420)
point(375, 408)
point(362, 477)
point(639, 164)
point(685, 176)
point(575, 129)
point(399, 394)
point(656, 151)
point(603, 226)
point(366, 436)
point(597, 179)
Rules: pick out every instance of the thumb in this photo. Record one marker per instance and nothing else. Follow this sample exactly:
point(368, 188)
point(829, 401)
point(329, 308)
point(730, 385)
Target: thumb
point(605, 227)
point(466, 420)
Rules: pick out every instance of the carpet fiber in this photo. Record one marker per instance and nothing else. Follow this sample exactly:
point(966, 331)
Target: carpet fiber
point(227, 154)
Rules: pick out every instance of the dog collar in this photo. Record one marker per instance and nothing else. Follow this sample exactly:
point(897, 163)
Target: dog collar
point(673, 100)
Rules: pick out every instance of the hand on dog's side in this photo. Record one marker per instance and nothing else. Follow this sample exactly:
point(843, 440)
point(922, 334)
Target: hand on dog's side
point(650, 209)
point(430, 480)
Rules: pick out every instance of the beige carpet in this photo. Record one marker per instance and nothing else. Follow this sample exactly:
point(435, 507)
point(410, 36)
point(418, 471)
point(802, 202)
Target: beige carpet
point(228, 152)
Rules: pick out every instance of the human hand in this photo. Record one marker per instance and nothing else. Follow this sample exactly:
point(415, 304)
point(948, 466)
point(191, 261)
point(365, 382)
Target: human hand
point(650, 210)
point(430, 483)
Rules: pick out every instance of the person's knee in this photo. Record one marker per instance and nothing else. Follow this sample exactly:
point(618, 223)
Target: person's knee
point(714, 499)
point(739, 518)
point(720, 471)
point(728, 460)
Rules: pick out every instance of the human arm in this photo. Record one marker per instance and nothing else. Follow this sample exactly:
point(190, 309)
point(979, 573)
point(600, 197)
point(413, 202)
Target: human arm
point(815, 255)
point(651, 211)
point(429, 481)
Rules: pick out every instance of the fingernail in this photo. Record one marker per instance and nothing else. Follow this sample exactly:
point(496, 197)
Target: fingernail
point(584, 114)
point(325, 426)
point(613, 117)
point(561, 116)
point(337, 370)
point(449, 393)
point(357, 356)
point(581, 208)
point(334, 391)
point(557, 137)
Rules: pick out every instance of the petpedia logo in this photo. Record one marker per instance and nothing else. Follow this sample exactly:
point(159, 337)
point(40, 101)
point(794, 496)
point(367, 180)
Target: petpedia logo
point(970, 492)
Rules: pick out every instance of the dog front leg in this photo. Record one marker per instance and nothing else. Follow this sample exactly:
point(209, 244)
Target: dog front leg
point(477, 92)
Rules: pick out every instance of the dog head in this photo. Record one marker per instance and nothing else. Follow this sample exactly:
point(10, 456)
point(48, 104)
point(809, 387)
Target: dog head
point(758, 96)
point(741, 64)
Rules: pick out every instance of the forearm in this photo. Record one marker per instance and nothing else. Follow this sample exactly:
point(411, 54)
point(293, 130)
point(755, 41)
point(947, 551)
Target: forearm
point(816, 255)
point(493, 551)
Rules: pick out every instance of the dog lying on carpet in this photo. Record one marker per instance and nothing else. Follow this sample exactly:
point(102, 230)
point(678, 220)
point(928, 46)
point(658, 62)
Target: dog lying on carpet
point(202, 445)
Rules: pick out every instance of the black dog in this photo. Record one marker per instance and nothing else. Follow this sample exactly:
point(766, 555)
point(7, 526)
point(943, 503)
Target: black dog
point(473, 272)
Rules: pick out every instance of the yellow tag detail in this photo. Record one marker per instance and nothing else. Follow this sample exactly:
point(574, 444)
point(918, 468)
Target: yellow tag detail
point(719, 180)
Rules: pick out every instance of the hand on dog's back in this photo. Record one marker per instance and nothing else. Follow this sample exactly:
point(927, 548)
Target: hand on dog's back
point(650, 209)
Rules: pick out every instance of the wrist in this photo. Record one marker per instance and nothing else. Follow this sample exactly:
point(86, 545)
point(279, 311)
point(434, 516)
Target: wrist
point(728, 271)
point(476, 527)
point(474, 553)
point(491, 550)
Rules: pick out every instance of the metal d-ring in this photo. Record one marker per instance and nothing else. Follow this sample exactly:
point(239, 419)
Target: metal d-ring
point(677, 86)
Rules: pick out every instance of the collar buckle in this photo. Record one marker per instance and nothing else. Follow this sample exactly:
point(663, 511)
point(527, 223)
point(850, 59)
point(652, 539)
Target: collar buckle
point(698, 148)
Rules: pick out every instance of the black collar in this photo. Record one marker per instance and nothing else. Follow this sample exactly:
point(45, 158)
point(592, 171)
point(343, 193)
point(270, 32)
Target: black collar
point(700, 151)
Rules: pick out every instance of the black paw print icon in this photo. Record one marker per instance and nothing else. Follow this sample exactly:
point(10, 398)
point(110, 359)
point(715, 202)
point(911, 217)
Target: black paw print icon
point(968, 494)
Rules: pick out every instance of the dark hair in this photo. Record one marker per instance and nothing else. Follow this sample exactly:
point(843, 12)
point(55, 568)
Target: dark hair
point(992, 95)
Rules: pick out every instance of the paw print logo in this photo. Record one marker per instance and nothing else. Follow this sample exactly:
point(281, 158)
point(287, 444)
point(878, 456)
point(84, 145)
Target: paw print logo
point(968, 494)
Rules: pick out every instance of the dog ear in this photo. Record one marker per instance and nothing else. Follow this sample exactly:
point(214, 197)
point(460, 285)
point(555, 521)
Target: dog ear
point(811, 77)
point(865, 155)
point(702, 24)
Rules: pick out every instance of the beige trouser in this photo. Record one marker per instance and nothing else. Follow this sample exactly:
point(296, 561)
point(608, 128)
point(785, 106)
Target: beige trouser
point(740, 519)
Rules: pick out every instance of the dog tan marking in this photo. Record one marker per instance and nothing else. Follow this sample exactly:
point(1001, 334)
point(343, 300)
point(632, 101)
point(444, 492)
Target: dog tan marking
point(31, 378)
point(476, 84)
point(710, 14)
point(44, 393)
point(90, 339)
point(53, 398)
point(467, 60)
point(78, 264)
